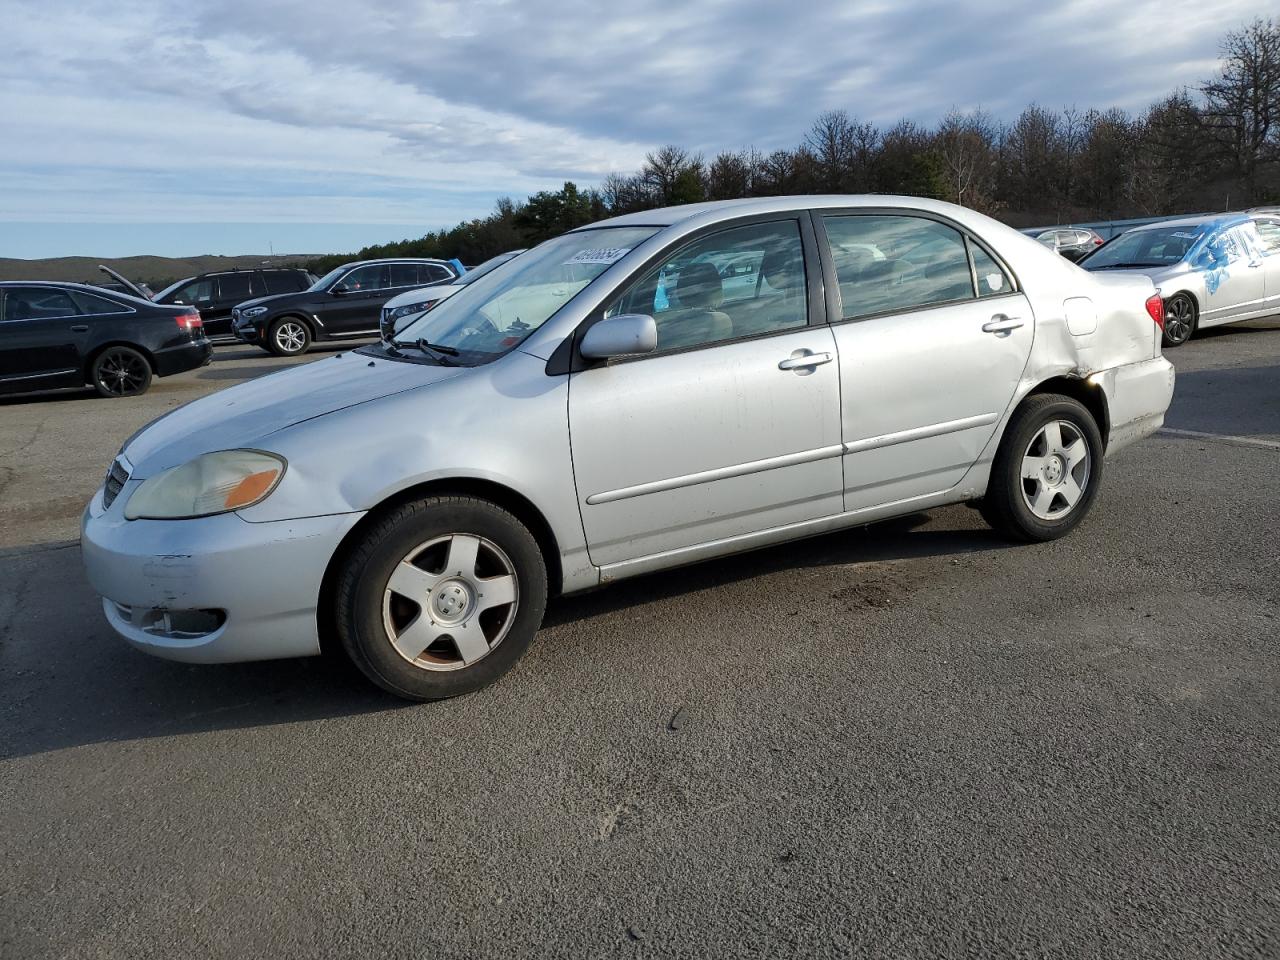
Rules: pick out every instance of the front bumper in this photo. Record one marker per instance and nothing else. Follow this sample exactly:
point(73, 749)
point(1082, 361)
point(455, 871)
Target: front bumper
point(214, 589)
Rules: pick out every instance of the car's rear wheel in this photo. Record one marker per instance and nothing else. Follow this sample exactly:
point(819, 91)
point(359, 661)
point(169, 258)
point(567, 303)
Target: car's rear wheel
point(1047, 470)
point(120, 371)
point(1180, 320)
point(288, 337)
point(441, 597)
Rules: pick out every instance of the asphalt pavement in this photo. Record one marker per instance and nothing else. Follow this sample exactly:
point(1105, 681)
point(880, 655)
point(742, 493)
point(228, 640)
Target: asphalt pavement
point(912, 739)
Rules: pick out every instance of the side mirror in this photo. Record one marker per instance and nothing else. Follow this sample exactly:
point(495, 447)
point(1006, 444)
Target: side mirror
point(341, 290)
point(626, 335)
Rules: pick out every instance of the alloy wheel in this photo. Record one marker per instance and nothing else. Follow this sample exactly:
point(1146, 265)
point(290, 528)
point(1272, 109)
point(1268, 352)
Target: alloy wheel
point(1179, 316)
point(450, 602)
point(290, 337)
point(1055, 470)
point(121, 372)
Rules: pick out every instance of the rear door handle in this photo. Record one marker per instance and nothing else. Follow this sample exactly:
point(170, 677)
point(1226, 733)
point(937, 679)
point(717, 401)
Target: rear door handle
point(1001, 323)
point(804, 360)
point(80, 328)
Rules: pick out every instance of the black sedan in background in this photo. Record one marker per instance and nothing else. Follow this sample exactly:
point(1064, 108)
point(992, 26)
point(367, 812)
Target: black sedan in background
point(70, 334)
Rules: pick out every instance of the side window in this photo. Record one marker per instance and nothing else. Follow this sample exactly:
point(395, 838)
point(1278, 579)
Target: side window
point(1269, 236)
point(284, 281)
point(992, 281)
point(736, 283)
point(887, 264)
point(93, 305)
point(197, 292)
point(234, 286)
point(405, 275)
point(372, 277)
point(37, 303)
point(434, 273)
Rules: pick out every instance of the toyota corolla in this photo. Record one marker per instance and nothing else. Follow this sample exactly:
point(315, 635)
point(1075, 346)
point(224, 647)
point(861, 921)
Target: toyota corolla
point(608, 405)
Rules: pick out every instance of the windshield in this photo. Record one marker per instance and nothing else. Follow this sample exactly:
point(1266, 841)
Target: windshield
point(475, 274)
point(171, 288)
point(489, 317)
point(328, 278)
point(1158, 247)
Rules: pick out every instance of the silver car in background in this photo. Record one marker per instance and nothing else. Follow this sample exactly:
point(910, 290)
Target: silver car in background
point(1209, 270)
point(606, 406)
point(402, 310)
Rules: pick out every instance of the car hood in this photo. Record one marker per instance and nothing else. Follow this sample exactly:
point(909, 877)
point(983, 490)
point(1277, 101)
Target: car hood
point(246, 414)
point(418, 294)
point(279, 300)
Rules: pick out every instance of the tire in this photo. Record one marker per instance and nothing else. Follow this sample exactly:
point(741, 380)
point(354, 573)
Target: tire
point(1064, 479)
point(120, 371)
point(288, 337)
point(1181, 317)
point(419, 576)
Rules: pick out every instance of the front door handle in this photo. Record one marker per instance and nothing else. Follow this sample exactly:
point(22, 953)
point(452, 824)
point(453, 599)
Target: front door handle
point(804, 360)
point(1001, 323)
point(80, 328)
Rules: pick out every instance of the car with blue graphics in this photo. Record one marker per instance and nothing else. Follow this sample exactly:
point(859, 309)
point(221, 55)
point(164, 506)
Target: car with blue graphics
point(1210, 270)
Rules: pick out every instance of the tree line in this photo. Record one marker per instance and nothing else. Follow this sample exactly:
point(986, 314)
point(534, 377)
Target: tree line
point(1213, 146)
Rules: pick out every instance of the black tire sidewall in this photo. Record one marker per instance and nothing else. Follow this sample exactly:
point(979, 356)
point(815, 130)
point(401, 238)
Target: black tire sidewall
point(1007, 471)
point(96, 367)
point(275, 348)
point(360, 623)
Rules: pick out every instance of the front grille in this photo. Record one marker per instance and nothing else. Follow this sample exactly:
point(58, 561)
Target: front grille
point(117, 477)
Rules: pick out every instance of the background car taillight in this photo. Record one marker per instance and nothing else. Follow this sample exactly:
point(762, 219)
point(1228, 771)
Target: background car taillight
point(190, 321)
point(1155, 307)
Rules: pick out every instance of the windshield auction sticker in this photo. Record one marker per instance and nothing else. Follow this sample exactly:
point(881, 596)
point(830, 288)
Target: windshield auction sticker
point(599, 255)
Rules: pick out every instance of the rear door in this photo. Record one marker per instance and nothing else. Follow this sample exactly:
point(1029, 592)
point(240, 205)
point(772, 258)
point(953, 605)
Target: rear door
point(933, 339)
point(41, 337)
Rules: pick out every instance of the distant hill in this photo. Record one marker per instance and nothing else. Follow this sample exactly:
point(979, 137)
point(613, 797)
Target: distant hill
point(156, 271)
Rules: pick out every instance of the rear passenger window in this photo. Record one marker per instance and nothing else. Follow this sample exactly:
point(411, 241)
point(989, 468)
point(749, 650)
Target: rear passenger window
point(234, 286)
point(37, 303)
point(736, 283)
point(992, 281)
point(284, 281)
point(888, 264)
point(404, 275)
point(92, 304)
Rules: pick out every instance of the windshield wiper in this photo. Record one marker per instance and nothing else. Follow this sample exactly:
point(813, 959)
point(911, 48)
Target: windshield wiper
point(437, 351)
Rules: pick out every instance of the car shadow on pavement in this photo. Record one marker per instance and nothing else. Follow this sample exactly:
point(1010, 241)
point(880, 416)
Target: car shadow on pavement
point(66, 680)
point(903, 538)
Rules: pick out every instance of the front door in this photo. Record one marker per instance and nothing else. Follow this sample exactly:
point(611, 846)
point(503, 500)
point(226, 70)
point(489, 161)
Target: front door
point(733, 425)
point(230, 289)
point(928, 361)
point(355, 301)
point(41, 335)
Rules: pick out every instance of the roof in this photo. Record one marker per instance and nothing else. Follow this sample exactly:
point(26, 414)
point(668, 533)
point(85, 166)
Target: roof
point(716, 209)
point(361, 263)
point(85, 287)
point(1217, 220)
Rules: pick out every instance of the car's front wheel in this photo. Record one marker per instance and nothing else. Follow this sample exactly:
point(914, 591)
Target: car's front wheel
point(120, 371)
point(1180, 319)
point(441, 597)
point(1047, 470)
point(288, 337)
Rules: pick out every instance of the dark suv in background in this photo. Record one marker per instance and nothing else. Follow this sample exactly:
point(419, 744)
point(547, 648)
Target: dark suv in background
point(215, 293)
point(345, 303)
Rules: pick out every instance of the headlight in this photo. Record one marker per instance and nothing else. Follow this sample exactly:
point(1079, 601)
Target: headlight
point(253, 312)
point(213, 483)
point(409, 308)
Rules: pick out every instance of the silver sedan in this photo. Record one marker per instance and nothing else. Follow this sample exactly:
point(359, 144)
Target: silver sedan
point(653, 390)
point(1209, 270)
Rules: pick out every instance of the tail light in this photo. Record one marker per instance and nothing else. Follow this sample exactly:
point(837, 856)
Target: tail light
point(190, 320)
point(1155, 307)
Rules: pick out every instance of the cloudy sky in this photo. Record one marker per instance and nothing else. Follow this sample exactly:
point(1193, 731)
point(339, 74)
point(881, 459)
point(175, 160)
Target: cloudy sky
point(222, 126)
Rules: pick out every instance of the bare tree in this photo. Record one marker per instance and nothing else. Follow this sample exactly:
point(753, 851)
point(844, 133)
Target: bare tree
point(1242, 104)
point(966, 144)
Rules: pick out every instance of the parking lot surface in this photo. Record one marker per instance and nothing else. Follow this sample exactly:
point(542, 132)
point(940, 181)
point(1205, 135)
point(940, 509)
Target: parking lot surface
point(912, 739)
